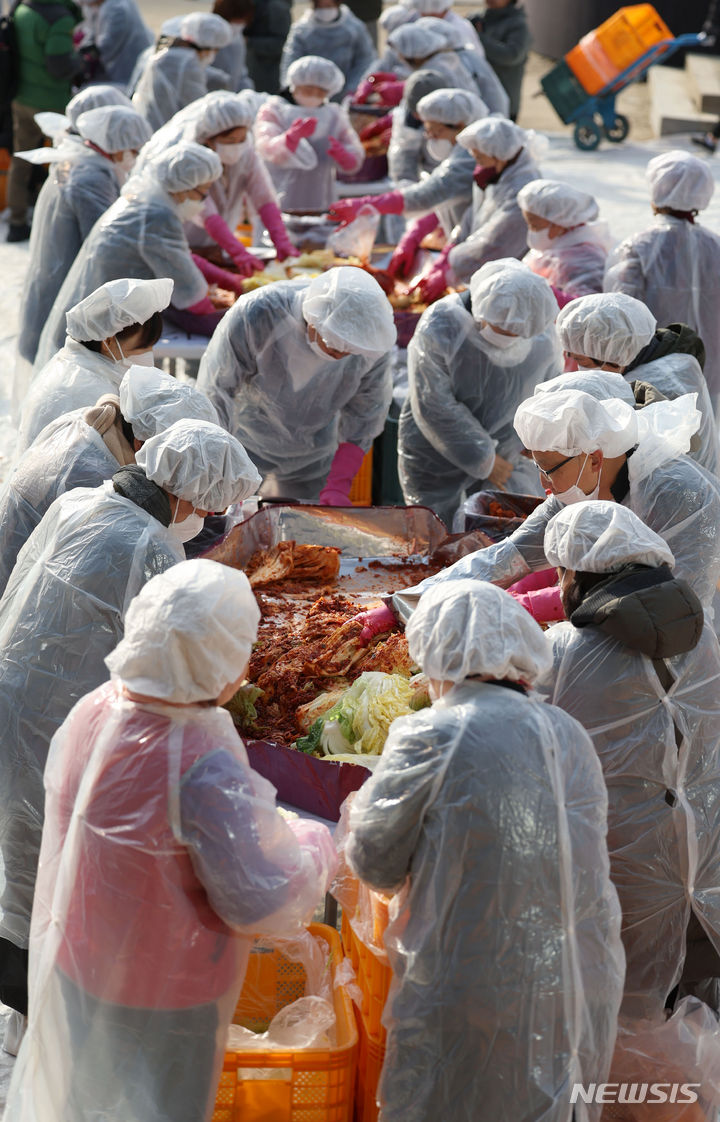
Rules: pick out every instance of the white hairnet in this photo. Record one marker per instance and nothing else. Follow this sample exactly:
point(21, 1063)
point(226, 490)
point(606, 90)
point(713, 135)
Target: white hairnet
point(201, 463)
point(114, 128)
point(453, 35)
point(600, 384)
point(607, 327)
point(495, 137)
point(557, 202)
point(680, 181)
point(394, 16)
point(205, 30)
point(465, 627)
point(313, 70)
point(411, 41)
point(420, 83)
point(451, 107)
point(152, 401)
point(91, 98)
point(506, 294)
point(571, 422)
point(217, 112)
point(186, 165)
point(171, 26)
point(116, 305)
point(350, 312)
point(600, 536)
point(431, 7)
point(188, 633)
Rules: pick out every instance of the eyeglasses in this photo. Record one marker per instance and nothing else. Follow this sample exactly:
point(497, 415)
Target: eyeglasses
point(551, 471)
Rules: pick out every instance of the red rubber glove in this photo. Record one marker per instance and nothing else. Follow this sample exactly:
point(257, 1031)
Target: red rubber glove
point(340, 154)
point(221, 233)
point(401, 262)
point(303, 127)
point(376, 128)
point(562, 298)
point(432, 285)
point(345, 466)
point(544, 605)
point(376, 621)
point(271, 219)
point(345, 210)
point(390, 91)
point(369, 85)
point(215, 275)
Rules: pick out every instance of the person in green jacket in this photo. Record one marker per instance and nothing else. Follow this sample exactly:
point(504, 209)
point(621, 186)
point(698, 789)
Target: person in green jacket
point(505, 35)
point(47, 64)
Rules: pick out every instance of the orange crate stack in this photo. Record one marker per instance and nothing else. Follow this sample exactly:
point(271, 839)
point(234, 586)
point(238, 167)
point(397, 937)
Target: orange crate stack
point(373, 978)
point(361, 490)
point(312, 1085)
point(615, 45)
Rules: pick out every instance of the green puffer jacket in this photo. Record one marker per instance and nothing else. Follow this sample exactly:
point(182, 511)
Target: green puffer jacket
point(47, 61)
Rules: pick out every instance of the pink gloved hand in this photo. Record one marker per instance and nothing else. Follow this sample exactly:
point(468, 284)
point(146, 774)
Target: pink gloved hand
point(369, 85)
point(544, 605)
point(542, 578)
point(345, 466)
point(562, 298)
point(221, 233)
point(376, 128)
point(340, 154)
point(390, 92)
point(345, 210)
point(401, 262)
point(433, 284)
point(271, 219)
point(215, 275)
point(376, 621)
point(304, 127)
point(204, 307)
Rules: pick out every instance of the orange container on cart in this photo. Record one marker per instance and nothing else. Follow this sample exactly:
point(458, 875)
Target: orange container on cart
point(308, 1085)
point(615, 45)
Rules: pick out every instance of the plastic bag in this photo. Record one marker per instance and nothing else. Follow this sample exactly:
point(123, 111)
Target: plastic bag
point(358, 237)
point(368, 911)
point(305, 1023)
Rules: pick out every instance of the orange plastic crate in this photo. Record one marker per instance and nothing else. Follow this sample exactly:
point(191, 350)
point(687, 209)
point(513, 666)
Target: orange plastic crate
point(361, 490)
point(371, 1056)
point(615, 45)
point(591, 65)
point(314, 1085)
point(373, 977)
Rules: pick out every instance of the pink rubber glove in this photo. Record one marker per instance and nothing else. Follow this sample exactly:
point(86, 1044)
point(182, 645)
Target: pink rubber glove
point(390, 92)
point(271, 219)
point(204, 307)
point(339, 153)
point(376, 621)
point(562, 298)
point(345, 210)
point(543, 578)
point(545, 605)
point(370, 84)
point(215, 275)
point(345, 466)
point(303, 127)
point(432, 285)
point(401, 262)
point(221, 233)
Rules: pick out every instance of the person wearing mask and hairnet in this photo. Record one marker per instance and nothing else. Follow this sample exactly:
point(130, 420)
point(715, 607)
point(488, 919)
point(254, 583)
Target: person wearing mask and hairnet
point(636, 634)
point(424, 48)
point(486, 815)
point(176, 74)
point(443, 12)
point(481, 72)
point(304, 137)
point(142, 235)
point(84, 182)
point(113, 328)
point(232, 59)
point(613, 331)
point(473, 358)
point(567, 243)
point(135, 978)
point(223, 122)
point(116, 33)
point(408, 155)
point(442, 196)
point(673, 265)
point(300, 373)
point(61, 128)
point(329, 29)
point(83, 447)
point(587, 449)
point(63, 612)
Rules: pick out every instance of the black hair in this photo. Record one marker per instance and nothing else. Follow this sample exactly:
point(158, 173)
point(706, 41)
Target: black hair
point(234, 9)
point(150, 332)
point(581, 586)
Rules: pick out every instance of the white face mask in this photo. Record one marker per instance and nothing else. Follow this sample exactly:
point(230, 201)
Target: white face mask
point(575, 494)
point(188, 529)
point(230, 153)
point(147, 358)
point(491, 336)
point(438, 149)
point(326, 15)
point(189, 209)
point(307, 102)
point(540, 240)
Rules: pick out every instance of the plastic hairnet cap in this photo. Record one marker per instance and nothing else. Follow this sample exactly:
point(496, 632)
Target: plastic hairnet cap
point(451, 107)
point(350, 312)
point(217, 112)
point(201, 463)
point(205, 30)
point(114, 128)
point(507, 294)
point(571, 422)
point(394, 16)
point(312, 70)
point(557, 202)
point(116, 305)
point(607, 327)
point(495, 137)
point(680, 181)
point(453, 35)
point(465, 627)
point(599, 537)
point(412, 41)
point(91, 98)
point(431, 7)
point(152, 401)
point(420, 83)
point(188, 633)
point(186, 165)
point(600, 384)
